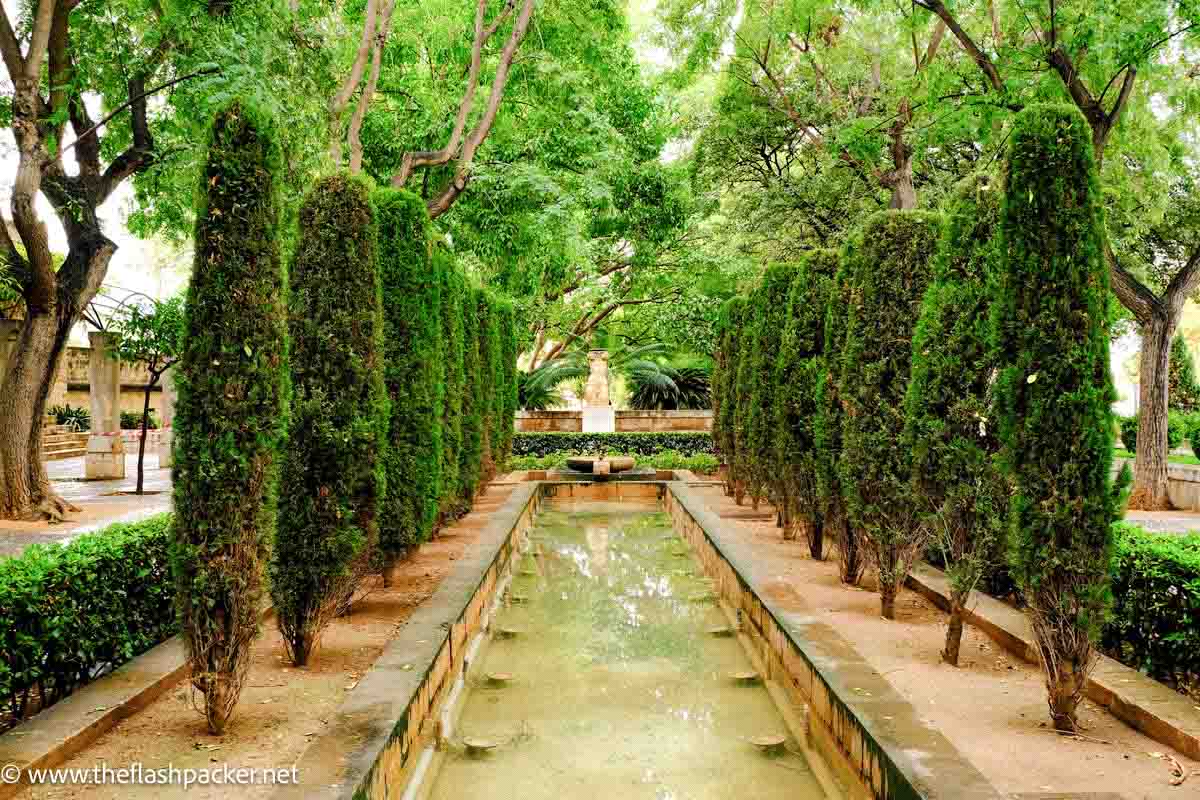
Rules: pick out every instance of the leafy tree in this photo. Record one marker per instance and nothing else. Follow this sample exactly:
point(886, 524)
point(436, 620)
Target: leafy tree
point(798, 371)
point(413, 372)
point(950, 429)
point(888, 265)
point(231, 415)
point(771, 296)
point(152, 337)
point(454, 288)
point(332, 469)
point(1055, 394)
point(1182, 388)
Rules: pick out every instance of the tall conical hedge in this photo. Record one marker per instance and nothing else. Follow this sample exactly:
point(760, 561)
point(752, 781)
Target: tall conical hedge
point(888, 263)
point(798, 371)
point(413, 371)
point(491, 367)
point(724, 384)
point(951, 430)
point(772, 297)
point(508, 360)
point(474, 404)
point(454, 287)
point(750, 329)
point(332, 468)
point(1055, 393)
point(232, 408)
point(827, 430)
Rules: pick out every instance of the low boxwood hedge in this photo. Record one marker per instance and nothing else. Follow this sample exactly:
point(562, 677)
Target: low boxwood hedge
point(1155, 623)
point(688, 443)
point(69, 613)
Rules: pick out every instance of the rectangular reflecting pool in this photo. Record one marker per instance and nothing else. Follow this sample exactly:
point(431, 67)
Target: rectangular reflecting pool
point(612, 672)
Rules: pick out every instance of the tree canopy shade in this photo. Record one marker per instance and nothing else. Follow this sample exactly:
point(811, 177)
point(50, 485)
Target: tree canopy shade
point(232, 408)
point(413, 371)
point(950, 428)
point(1055, 393)
point(799, 368)
point(887, 267)
point(332, 468)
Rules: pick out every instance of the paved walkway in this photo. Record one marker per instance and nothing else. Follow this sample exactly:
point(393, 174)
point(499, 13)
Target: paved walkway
point(1165, 521)
point(102, 503)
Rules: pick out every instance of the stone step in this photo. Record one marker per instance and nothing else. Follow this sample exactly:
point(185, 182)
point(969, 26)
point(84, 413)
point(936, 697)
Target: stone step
point(59, 454)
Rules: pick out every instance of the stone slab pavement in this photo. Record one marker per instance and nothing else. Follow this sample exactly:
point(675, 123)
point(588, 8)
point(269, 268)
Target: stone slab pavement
point(1165, 521)
point(102, 503)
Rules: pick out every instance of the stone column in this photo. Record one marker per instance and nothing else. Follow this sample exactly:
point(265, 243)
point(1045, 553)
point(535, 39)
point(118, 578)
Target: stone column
point(598, 413)
point(106, 450)
point(166, 435)
point(9, 330)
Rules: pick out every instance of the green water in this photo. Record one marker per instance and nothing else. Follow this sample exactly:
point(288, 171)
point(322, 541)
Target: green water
point(619, 689)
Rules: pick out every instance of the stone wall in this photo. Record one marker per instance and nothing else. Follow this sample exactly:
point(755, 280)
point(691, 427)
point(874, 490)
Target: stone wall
point(627, 421)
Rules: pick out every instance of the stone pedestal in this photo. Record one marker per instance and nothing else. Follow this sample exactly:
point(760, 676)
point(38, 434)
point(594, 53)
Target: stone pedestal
point(168, 398)
point(599, 419)
point(104, 375)
point(105, 459)
point(166, 440)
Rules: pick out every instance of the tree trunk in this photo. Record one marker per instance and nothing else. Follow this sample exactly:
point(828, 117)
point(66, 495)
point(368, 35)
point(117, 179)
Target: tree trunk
point(850, 556)
point(1065, 687)
point(25, 490)
point(1150, 466)
point(954, 629)
point(887, 599)
point(142, 439)
point(815, 530)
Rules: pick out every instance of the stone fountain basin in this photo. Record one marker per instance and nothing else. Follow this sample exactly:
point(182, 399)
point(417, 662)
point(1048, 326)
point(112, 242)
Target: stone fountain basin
point(588, 463)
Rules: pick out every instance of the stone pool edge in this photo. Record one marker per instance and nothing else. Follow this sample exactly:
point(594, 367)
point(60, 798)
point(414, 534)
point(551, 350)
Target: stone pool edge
point(364, 751)
point(877, 733)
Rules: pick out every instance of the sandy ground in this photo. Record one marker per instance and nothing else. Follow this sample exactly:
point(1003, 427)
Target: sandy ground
point(992, 707)
point(282, 707)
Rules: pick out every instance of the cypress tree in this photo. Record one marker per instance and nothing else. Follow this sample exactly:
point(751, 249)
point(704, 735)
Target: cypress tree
point(723, 383)
point(492, 384)
point(412, 372)
point(331, 472)
point(1182, 389)
point(1055, 393)
point(798, 370)
point(473, 406)
point(743, 395)
point(950, 429)
point(454, 287)
point(508, 359)
point(888, 263)
point(827, 431)
point(231, 413)
point(760, 434)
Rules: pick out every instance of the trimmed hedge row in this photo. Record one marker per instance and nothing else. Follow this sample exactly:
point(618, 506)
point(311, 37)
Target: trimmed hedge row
point(688, 443)
point(1155, 622)
point(69, 613)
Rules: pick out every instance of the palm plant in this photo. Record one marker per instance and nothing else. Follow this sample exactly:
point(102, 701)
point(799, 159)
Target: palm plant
point(672, 388)
point(639, 365)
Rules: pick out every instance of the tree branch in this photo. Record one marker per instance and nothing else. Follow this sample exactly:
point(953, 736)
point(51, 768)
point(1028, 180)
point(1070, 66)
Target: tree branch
point(368, 92)
point(985, 63)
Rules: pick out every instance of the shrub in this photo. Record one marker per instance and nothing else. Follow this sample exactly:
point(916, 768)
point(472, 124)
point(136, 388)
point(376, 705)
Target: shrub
point(827, 430)
point(949, 405)
point(232, 408)
point(1178, 430)
point(454, 287)
point(69, 613)
point(413, 372)
point(473, 405)
point(638, 444)
point(79, 419)
point(132, 421)
point(1182, 390)
point(332, 470)
point(1129, 426)
point(772, 317)
point(1055, 393)
point(888, 264)
point(798, 369)
point(704, 463)
point(1155, 622)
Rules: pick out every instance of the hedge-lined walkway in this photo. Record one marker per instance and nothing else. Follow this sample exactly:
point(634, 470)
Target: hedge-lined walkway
point(992, 707)
point(99, 500)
